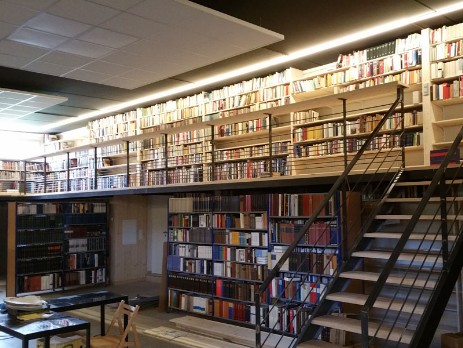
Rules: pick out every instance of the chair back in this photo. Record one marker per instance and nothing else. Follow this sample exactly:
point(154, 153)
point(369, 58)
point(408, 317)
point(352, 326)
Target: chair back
point(117, 325)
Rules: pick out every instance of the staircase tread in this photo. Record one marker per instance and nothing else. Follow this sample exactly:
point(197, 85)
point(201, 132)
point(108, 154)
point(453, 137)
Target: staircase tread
point(375, 254)
point(229, 332)
point(414, 236)
point(392, 279)
point(381, 302)
point(317, 344)
point(426, 182)
point(353, 325)
point(409, 216)
point(418, 199)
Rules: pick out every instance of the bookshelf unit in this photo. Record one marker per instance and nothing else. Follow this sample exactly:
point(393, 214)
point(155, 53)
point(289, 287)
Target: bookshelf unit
point(221, 247)
point(10, 176)
point(54, 246)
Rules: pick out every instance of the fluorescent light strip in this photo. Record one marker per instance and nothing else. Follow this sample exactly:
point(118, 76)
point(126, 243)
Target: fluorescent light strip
point(372, 31)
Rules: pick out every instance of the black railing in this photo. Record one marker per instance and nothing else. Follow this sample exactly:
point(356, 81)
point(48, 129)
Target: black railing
point(380, 165)
point(430, 260)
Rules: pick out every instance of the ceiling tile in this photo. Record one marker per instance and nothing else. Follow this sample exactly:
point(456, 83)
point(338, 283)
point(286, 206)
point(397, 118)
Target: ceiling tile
point(123, 83)
point(18, 96)
point(6, 29)
point(85, 49)
point(57, 25)
point(164, 11)
point(13, 61)
point(47, 68)
point(106, 67)
point(141, 75)
point(107, 38)
point(134, 25)
point(35, 4)
point(21, 50)
point(14, 14)
point(5, 115)
point(117, 4)
point(37, 38)
point(65, 59)
point(127, 59)
point(43, 117)
point(86, 75)
point(83, 11)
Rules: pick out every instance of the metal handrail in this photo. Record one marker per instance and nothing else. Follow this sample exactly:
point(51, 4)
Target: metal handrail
point(386, 270)
point(335, 188)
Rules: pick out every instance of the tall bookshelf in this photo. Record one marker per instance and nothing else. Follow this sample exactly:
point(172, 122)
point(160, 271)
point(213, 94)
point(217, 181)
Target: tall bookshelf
point(55, 246)
point(221, 248)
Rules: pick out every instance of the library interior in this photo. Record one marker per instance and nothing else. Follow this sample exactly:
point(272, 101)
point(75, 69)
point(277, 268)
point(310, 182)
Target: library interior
point(233, 173)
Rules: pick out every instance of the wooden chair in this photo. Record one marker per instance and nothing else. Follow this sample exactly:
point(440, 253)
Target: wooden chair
point(116, 336)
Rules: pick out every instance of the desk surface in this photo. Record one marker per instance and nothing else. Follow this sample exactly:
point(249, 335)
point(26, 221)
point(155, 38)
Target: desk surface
point(65, 303)
point(55, 324)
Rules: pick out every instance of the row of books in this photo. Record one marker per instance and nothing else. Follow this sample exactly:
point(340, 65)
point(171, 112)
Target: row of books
point(248, 169)
point(10, 165)
point(191, 250)
point(183, 264)
point(296, 290)
point(305, 260)
point(447, 90)
point(237, 270)
point(240, 220)
point(86, 244)
point(85, 260)
point(333, 147)
point(189, 302)
point(188, 220)
point(191, 235)
point(83, 277)
point(319, 233)
point(248, 254)
point(39, 236)
point(34, 283)
point(239, 238)
point(35, 251)
point(449, 69)
point(200, 284)
point(235, 290)
point(299, 204)
point(243, 127)
point(39, 264)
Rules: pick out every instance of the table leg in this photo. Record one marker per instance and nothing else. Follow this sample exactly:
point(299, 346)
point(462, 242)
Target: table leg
point(87, 337)
point(102, 319)
point(25, 343)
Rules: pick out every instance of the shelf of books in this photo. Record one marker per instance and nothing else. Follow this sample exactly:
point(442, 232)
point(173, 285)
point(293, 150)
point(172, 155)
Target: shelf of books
point(221, 248)
point(10, 176)
point(446, 72)
point(55, 246)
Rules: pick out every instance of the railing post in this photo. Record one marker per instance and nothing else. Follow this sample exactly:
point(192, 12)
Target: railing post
point(444, 230)
point(270, 140)
point(364, 327)
point(258, 318)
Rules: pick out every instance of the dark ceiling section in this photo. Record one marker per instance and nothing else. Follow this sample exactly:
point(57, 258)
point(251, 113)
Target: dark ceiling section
point(302, 22)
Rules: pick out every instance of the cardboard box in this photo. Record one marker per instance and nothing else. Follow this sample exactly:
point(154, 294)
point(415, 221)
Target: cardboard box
point(74, 341)
point(452, 340)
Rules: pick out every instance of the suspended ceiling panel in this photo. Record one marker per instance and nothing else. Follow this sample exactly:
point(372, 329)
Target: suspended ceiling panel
point(123, 43)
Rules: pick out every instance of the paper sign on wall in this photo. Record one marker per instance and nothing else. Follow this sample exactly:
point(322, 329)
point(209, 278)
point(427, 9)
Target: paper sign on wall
point(129, 232)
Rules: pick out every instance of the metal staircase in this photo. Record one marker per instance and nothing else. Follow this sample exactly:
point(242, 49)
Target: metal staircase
point(395, 276)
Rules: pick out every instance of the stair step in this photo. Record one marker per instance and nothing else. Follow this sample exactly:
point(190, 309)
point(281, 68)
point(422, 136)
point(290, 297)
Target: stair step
point(381, 302)
point(417, 200)
point(353, 325)
point(392, 279)
point(426, 182)
point(422, 217)
point(385, 255)
point(413, 236)
point(317, 344)
point(230, 333)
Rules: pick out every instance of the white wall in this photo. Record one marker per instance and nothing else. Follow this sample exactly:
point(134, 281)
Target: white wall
point(157, 223)
point(15, 145)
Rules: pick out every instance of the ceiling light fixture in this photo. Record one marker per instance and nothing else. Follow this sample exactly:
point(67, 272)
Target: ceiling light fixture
point(359, 35)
